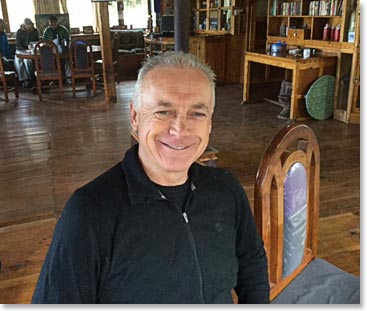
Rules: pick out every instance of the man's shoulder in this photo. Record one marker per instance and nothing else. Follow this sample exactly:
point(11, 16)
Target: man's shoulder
point(103, 192)
point(47, 29)
point(110, 180)
point(63, 28)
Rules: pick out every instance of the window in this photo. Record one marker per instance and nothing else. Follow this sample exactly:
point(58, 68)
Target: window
point(17, 15)
point(81, 13)
point(135, 13)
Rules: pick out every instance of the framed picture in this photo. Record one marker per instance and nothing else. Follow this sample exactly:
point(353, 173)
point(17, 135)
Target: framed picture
point(88, 29)
point(42, 21)
point(74, 30)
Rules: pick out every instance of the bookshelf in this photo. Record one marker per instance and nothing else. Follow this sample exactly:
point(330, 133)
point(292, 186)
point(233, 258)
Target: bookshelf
point(217, 16)
point(302, 23)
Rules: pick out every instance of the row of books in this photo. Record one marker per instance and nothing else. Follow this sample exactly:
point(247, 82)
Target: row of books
point(316, 8)
point(279, 7)
point(326, 8)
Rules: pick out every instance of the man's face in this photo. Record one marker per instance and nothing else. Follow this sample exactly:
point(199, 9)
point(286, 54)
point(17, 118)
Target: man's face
point(173, 122)
point(29, 27)
point(53, 24)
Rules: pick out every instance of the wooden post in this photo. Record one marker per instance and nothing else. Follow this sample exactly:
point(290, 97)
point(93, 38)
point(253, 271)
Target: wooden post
point(4, 9)
point(182, 25)
point(106, 50)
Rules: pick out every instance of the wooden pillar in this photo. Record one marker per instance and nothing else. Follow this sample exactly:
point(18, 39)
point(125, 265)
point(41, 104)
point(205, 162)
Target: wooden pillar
point(4, 9)
point(182, 25)
point(106, 50)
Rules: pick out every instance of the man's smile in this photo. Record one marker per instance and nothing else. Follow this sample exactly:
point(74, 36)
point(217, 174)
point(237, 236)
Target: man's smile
point(176, 147)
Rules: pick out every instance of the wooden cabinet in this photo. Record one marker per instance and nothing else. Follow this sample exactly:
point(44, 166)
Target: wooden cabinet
point(222, 53)
point(217, 16)
point(211, 50)
point(324, 26)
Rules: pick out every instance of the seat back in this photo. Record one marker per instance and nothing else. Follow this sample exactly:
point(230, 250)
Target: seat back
point(47, 63)
point(82, 62)
point(2, 72)
point(4, 77)
point(81, 56)
point(287, 203)
point(47, 59)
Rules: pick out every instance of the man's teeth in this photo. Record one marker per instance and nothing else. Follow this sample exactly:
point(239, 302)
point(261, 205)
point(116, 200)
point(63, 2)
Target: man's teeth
point(175, 147)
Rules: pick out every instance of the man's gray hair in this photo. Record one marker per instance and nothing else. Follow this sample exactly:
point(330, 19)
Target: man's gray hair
point(172, 59)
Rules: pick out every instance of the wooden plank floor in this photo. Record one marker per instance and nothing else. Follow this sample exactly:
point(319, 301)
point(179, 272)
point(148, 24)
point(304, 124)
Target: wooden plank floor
point(49, 149)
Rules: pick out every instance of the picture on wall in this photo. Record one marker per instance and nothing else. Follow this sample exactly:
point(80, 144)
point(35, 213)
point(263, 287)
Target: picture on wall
point(42, 21)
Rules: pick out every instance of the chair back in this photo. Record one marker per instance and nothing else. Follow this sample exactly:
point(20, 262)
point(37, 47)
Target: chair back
point(82, 63)
point(47, 58)
point(287, 203)
point(2, 72)
point(5, 77)
point(81, 56)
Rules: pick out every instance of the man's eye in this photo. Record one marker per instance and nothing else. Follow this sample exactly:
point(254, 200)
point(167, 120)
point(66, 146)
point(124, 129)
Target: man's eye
point(198, 114)
point(163, 113)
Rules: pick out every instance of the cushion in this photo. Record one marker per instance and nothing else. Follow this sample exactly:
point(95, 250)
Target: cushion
point(321, 283)
point(320, 98)
point(295, 217)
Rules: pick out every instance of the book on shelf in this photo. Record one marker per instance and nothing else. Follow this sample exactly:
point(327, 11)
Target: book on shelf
point(325, 8)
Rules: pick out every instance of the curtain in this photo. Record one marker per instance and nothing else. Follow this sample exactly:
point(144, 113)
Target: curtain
point(96, 19)
point(50, 6)
point(63, 6)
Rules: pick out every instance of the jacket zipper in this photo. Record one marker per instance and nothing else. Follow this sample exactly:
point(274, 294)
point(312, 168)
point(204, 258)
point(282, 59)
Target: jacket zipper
point(193, 246)
point(185, 217)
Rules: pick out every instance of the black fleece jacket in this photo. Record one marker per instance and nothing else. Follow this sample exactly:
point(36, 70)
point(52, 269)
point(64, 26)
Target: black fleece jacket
point(119, 240)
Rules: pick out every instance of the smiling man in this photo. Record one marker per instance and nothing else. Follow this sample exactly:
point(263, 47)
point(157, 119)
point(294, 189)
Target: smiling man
point(158, 227)
point(173, 121)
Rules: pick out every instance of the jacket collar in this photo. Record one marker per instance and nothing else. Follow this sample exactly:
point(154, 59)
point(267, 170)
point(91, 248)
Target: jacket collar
point(140, 187)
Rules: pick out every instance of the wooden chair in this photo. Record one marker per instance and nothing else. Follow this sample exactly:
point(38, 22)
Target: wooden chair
point(286, 212)
point(47, 63)
point(82, 63)
point(115, 42)
point(7, 77)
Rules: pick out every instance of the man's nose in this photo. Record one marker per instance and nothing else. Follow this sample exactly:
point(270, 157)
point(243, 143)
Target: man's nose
point(178, 126)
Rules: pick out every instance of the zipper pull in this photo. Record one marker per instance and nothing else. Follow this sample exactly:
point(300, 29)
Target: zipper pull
point(185, 217)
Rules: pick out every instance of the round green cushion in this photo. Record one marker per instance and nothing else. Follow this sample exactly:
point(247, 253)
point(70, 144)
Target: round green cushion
point(320, 98)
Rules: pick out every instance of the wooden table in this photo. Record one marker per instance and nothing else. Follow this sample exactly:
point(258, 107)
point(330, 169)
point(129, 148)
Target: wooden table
point(304, 73)
point(28, 54)
point(163, 44)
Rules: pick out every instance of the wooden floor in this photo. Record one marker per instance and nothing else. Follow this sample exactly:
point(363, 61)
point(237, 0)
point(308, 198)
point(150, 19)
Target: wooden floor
point(49, 149)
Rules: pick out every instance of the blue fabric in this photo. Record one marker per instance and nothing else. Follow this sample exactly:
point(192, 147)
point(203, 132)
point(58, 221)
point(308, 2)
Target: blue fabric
point(81, 56)
point(321, 283)
point(4, 45)
point(47, 58)
point(295, 217)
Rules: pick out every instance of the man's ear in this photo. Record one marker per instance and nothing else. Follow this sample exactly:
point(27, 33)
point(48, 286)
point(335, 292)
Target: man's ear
point(133, 117)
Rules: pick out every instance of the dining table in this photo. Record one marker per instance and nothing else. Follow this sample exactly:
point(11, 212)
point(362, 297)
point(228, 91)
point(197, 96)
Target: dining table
point(29, 53)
